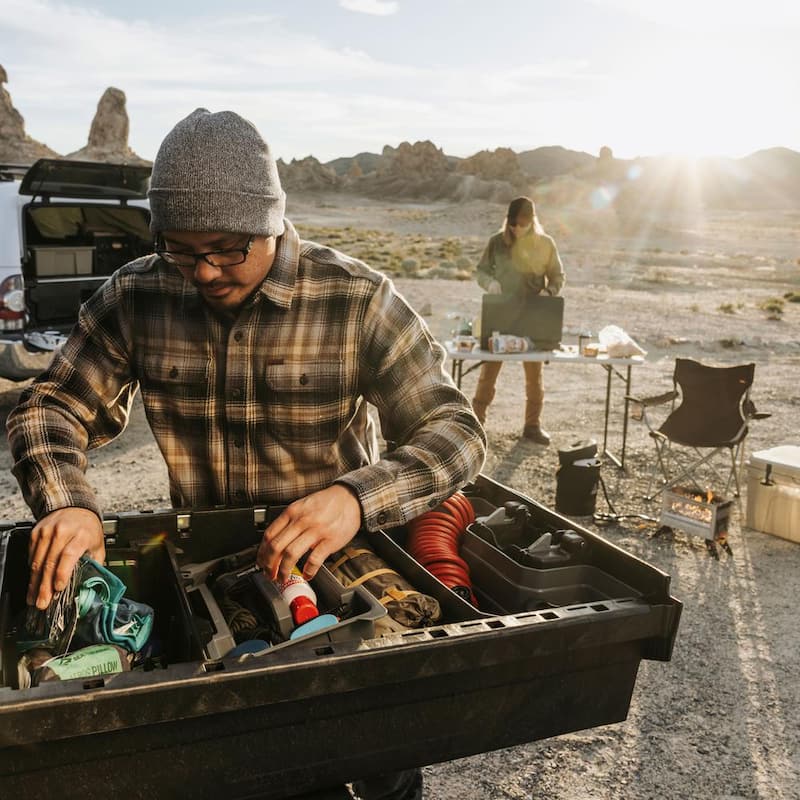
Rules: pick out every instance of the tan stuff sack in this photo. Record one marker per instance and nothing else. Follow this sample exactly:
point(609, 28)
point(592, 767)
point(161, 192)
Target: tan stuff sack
point(359, 565)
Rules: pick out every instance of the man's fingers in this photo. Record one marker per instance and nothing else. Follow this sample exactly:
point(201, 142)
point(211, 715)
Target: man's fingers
point(285, 549)
point(57, 542)
point(39, 588)
point(33, 584)
point(316, 558)
point(294, 551)
point(45, 594)
point(66, 564)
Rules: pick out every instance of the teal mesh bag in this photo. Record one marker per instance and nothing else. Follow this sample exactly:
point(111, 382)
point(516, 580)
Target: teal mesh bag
point(92, 609)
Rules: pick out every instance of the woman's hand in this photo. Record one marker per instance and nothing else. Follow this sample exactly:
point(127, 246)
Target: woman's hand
point(57, 542)
point(494, 287)
point(319, 524)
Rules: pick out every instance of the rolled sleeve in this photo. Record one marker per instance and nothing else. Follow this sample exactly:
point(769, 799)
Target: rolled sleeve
point(81, 402)
point(441, 445)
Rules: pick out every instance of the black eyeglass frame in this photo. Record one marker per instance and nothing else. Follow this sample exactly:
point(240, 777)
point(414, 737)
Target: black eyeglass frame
point(167, 255)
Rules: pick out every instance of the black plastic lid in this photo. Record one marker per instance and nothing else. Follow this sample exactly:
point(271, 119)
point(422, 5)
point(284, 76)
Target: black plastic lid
point(60, 178)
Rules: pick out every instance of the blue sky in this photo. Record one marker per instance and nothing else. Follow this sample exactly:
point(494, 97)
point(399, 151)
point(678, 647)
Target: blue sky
point(337, 77)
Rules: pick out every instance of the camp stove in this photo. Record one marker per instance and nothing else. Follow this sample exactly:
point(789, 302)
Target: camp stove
point(698, 511)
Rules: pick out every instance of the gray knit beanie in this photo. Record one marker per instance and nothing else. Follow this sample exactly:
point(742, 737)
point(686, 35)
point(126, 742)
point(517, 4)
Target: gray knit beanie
point(214, 172)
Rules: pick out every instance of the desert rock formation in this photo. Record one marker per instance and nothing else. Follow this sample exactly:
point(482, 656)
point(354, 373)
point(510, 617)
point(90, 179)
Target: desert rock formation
point(108, 136)
point(500, 165)
point(16, 147)
point(307, 174)
point(422, 171)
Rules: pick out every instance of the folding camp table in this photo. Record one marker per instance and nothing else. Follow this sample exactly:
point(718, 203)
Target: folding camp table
point(614, 367)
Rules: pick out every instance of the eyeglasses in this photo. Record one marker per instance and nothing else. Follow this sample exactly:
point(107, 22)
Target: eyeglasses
point(216, 258)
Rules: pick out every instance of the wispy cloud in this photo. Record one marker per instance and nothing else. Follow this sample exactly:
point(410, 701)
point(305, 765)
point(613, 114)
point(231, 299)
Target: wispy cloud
point(379, 8)
point(306, 95)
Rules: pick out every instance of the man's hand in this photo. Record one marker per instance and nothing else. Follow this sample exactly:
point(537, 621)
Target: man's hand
point(319, 524)
point(494, 287)
point(57, 542)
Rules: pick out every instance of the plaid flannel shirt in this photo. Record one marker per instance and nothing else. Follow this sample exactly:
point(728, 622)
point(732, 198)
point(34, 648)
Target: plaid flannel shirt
point(265, 409)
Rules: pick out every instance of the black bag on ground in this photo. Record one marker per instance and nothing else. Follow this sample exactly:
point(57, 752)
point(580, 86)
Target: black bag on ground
point(577, 479)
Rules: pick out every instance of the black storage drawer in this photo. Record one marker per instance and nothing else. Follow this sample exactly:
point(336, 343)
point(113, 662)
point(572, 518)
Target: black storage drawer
point(329, 709)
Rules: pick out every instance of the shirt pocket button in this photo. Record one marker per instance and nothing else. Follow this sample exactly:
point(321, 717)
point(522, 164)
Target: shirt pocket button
point(303, 379)
point(382, 518)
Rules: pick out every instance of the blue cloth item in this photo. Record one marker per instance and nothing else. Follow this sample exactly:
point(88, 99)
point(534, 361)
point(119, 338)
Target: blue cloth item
point(104, 615)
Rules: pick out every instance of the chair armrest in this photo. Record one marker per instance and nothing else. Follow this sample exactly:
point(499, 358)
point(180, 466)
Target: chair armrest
point(750, 411)
point(656, 400)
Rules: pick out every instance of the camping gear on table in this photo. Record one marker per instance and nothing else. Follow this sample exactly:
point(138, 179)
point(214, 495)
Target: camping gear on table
point(540, 318)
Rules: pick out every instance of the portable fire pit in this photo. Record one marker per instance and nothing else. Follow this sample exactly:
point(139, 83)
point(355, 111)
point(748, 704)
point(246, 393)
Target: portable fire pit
point(700, 512)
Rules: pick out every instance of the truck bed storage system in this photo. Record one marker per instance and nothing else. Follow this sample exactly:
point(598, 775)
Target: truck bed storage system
point(564, 619)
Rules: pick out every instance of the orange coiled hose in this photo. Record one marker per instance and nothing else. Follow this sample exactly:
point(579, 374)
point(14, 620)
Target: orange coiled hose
point(434, 539)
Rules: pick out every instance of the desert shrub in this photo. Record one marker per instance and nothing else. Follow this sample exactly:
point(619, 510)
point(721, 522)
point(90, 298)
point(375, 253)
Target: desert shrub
point(773, 306)
point(462, 262)
point(727, 308)
point(409, 265)
point(447, 265)
point(450, 248)
point(694, 308)
point(792, 297)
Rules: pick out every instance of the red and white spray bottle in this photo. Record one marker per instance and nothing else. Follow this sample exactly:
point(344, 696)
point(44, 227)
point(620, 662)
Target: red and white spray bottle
point(299, 595)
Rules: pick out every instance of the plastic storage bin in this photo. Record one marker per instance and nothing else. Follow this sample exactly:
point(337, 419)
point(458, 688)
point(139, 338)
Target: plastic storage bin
point(59, 262)
point(773, 491)
point(552, 649)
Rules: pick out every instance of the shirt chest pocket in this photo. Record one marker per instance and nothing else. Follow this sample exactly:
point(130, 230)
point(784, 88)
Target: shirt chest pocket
point(176, 387)
point(307, 401)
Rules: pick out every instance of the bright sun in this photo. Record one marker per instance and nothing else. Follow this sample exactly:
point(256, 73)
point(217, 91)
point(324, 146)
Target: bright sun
point(704, 99)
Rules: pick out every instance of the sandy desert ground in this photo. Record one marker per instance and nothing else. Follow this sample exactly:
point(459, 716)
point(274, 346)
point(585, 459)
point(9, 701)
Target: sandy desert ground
point(721, 719)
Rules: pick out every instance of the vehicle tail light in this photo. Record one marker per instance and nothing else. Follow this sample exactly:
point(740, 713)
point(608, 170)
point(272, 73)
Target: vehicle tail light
point(12, 304)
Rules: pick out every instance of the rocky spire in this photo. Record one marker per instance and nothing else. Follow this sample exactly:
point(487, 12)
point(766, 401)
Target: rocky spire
point(16, 147)
point(108, 136)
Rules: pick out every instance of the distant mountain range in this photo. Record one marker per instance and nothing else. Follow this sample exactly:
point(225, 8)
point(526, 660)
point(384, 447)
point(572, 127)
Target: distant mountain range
point(767, 179)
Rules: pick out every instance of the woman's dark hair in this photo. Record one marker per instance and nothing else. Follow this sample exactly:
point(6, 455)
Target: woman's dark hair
point(520, 208)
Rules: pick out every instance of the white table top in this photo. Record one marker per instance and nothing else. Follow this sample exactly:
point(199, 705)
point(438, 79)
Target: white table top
point(567, 354)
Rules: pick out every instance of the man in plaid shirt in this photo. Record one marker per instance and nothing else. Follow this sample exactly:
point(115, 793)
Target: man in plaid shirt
point(256, 354)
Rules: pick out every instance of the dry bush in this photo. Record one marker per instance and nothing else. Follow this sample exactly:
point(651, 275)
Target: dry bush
point(773, 306)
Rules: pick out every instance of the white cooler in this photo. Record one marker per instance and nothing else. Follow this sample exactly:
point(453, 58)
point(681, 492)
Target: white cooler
point(773, 491)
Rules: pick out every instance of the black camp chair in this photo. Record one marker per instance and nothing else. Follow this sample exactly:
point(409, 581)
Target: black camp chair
point(712, 416)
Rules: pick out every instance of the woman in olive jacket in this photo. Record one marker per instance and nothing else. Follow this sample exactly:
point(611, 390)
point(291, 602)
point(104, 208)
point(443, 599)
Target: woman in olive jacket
point(519, 259)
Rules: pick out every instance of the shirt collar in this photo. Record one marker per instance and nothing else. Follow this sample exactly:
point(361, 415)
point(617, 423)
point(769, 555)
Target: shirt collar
point(278, 286)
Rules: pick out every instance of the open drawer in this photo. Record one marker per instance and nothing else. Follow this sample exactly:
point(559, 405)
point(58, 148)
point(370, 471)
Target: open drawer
point(549, 651)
